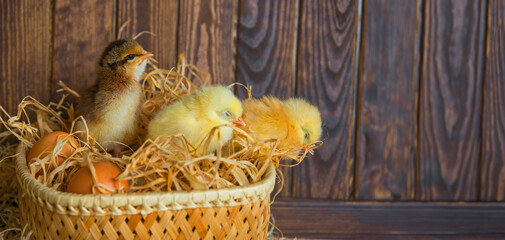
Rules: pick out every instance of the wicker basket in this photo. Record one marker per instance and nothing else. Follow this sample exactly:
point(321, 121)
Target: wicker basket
point(231, 213)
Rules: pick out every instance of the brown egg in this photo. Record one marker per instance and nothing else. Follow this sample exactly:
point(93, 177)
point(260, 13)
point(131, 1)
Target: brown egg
point(45, 146)
point(82, 181)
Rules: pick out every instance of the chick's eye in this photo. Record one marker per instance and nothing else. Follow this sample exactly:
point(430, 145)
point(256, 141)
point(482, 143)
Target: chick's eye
point(227, 114)
point(131, 56)
point(306, 136)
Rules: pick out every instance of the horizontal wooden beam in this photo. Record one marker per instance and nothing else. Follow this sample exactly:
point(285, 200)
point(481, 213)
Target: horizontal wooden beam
point(323, 219)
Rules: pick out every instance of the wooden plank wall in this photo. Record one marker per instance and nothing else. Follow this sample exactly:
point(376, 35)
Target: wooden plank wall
point(324, 76)
point(79, 35)
point(451, 100)
point(386, 101)
point(411, 92)
point(25, 47)
point(492, 177)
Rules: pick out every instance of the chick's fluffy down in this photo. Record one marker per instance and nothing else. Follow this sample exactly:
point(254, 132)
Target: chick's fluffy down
point(294, 122)
point(196, 115)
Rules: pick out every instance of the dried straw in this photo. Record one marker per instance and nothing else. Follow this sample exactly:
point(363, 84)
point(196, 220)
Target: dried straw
point(9, 211)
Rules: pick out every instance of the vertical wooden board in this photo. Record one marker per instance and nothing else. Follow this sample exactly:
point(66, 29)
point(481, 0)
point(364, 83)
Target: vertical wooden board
point(25, 52)
point(266, 52)
point(493, 135)
point(266, 47)
point(206, 37)
point(450, 105)
point(82, 30)
point(325, 77)
point(156, 16)
point(386, 101)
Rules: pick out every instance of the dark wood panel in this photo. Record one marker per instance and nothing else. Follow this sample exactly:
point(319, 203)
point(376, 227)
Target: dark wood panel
point(325, 64)
point(206, 37)
point(386, 101)
point(493, 135)
point(157, 16)
point(454, 236)
point(450, 105)
point(267, 33)
point(266, 46)
point(82, 30)
point(25, 52)
point(389, 220)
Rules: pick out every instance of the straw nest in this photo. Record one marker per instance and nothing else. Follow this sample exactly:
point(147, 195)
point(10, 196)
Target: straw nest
point(168, 163)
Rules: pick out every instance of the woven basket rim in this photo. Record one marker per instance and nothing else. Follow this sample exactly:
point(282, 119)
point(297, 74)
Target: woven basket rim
point(135, 203)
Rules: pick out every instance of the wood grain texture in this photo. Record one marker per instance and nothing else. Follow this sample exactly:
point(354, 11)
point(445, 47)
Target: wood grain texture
point(82, 30)
point(493, 135)
point(25, 52)
point(266, 52)
point(156, 16)
point(206, 37)
point(266, 47)
point(388, 220)
point(325, 77)
point(386, 108)
point(450, 105)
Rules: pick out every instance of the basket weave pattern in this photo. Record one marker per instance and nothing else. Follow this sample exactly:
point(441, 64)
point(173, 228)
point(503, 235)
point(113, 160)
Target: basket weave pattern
point(232, 213)
point(248, 221)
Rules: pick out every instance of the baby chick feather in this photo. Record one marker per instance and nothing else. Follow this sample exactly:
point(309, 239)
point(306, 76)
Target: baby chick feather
point(294, 122)
point(110, 108)
point(197, 114)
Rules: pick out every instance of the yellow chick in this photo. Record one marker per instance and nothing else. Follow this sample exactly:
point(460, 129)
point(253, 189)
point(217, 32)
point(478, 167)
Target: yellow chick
point(195, 116)
point(294, 121)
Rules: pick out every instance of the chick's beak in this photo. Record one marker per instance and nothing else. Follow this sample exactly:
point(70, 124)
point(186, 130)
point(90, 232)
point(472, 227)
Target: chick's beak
point(146, 55)
point(306, 147)
point(239, 121)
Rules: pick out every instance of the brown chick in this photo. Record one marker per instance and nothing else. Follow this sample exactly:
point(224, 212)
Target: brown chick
point(294, 122)
point(111, 106)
